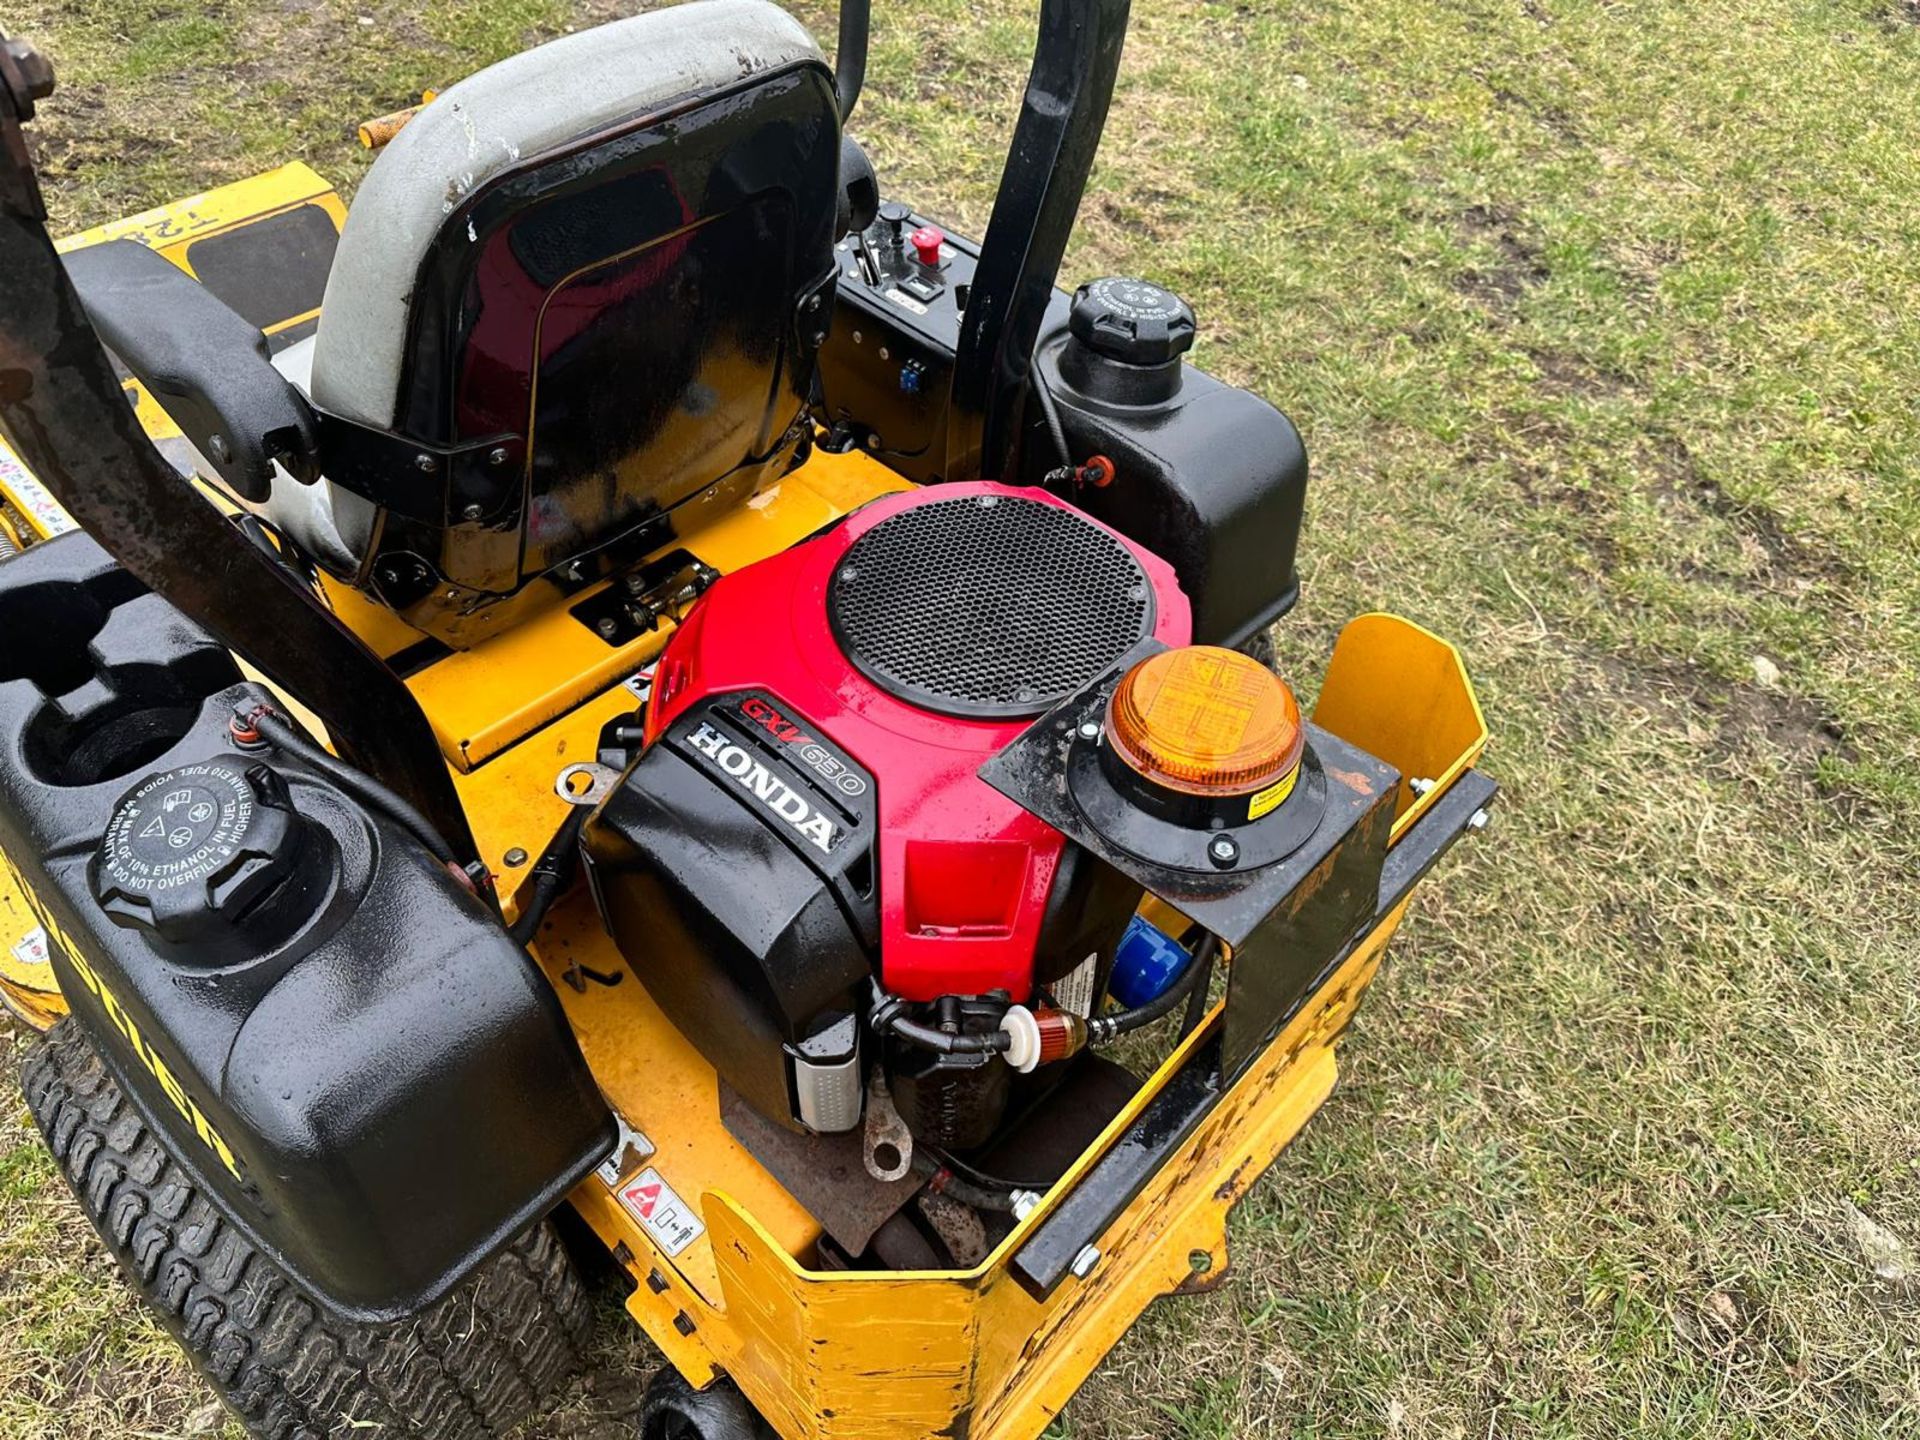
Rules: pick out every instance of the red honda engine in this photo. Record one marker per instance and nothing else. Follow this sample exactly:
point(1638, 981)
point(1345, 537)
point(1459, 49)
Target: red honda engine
point(806, 836)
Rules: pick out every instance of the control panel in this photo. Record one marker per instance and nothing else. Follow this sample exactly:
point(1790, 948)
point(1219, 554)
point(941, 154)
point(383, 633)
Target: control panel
point(885, 369)
point(1208, 476)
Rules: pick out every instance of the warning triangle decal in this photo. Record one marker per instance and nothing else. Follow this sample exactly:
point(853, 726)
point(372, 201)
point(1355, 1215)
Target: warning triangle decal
point(646, 1195)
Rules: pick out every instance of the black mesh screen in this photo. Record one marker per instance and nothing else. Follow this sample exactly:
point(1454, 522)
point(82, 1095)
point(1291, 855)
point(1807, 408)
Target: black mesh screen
point(987, 606)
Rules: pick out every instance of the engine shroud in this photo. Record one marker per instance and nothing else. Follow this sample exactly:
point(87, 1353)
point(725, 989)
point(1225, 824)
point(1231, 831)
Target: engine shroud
point(921, 636)
point(985, 608)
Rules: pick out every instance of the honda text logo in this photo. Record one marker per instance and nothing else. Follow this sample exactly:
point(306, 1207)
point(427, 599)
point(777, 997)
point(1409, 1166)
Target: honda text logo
point(817, 757)
point(773, 792)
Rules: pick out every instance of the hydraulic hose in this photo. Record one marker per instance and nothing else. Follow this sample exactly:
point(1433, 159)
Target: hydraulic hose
point(1107, 1028)
point(1050, 411)
point(928, 1038)
point(1197, 994)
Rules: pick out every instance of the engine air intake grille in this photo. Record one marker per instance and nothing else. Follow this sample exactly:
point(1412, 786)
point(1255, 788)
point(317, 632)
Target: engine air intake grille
point(987, 606)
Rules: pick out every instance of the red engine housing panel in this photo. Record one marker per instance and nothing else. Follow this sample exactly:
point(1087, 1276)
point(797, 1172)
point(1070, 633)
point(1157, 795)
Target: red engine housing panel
point(964, 873)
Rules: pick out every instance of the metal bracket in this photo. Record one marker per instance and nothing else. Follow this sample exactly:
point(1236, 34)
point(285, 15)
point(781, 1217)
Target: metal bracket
point(636, 603)
point(439, 485)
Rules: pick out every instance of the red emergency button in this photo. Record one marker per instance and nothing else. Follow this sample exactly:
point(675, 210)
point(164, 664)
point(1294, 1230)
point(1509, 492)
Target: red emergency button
point(927, 241)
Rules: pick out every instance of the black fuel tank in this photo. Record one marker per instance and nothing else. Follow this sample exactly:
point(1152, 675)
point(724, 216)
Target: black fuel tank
point(337, 1037)
point(1211, 478)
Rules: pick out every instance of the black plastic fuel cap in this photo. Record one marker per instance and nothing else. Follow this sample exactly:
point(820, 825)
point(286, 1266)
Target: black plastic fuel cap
point(189, 852)
point(1132, 321)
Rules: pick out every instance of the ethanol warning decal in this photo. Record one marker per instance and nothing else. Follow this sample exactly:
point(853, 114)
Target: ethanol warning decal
point(661, 1213)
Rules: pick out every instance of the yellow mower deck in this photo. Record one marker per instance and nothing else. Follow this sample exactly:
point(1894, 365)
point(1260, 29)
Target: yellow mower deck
point(821, 1354)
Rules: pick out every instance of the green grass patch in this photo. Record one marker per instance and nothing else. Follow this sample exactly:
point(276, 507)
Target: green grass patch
point(1599, 322)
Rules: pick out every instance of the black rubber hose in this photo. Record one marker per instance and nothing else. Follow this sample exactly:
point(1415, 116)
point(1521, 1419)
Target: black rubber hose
point(1107, 1028)
point(1050, 411)
point(551, 874)
point(1197, 996)
point(974, 1175)
point(928, 1038)
point(282, 734)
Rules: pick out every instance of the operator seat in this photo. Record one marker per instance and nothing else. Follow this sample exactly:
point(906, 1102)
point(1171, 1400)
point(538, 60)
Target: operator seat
point(577, 300)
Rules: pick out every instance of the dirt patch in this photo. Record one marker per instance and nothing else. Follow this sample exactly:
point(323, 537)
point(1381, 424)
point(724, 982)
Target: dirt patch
point(1149, 220)
point(1900, 13)
point(1742, 714)
point(1553, 119)
point(1518, 266)
point(1792, 724)
point(1567, 373)
point(1733, 1327)
point(1679, 480)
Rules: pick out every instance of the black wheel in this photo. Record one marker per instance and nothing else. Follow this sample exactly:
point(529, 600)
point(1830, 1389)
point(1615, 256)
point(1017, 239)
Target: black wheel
point(473, 1366)
point(673, 1410)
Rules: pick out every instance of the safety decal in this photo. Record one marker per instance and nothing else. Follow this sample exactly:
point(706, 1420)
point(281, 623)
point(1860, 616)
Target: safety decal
point(31, 496)
point(33, 949)
point(633, 1147)
point(1274, 795)
point(661, 1213)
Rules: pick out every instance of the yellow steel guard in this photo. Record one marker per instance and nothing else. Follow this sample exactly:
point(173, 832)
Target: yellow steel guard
point(833, 1356)
point(825, 1355)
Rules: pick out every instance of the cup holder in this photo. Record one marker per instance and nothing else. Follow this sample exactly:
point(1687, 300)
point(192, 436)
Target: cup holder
point(117, 685)
point(48, 629)
point(106, 749)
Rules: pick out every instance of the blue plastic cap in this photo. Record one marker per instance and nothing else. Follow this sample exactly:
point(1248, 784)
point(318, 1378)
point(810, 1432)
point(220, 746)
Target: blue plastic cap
point(1147, 964)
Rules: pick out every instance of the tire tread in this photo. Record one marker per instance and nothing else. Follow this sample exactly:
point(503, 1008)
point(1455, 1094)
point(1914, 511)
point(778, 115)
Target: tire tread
point(472, 1366)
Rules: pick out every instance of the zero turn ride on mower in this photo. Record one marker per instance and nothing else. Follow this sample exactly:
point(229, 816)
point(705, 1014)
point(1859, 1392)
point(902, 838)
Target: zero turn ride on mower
point(623, 687)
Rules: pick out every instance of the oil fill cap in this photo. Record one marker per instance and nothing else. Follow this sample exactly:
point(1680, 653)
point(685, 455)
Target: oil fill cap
point(190, 852)
point(1132, 321)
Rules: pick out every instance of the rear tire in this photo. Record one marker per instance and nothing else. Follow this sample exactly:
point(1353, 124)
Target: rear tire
point(472, 1366)
point(673, 1410)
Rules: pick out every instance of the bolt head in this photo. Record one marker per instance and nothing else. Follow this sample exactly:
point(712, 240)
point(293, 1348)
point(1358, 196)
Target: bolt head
point(472, 512)
point(1479, 820)
point(1223, 850)
point(423, 463)
point(516, 857)
point(1024, 1203)
point(1089, 730)
point(497, 455)
point(1084, 1262)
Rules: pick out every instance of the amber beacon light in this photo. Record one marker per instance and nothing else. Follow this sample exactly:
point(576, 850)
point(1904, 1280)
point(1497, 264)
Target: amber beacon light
point(1209, 723)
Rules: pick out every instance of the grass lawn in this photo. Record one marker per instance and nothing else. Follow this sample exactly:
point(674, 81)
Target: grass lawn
point(1600, 319)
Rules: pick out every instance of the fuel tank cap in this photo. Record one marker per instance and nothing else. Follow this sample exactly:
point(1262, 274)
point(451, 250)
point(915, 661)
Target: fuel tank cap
point(1133, 321)
point(190, 853)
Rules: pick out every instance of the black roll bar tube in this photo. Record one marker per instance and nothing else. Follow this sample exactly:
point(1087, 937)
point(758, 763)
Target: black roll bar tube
point(850, 54)
point(63, 411)
point(1075, 62)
